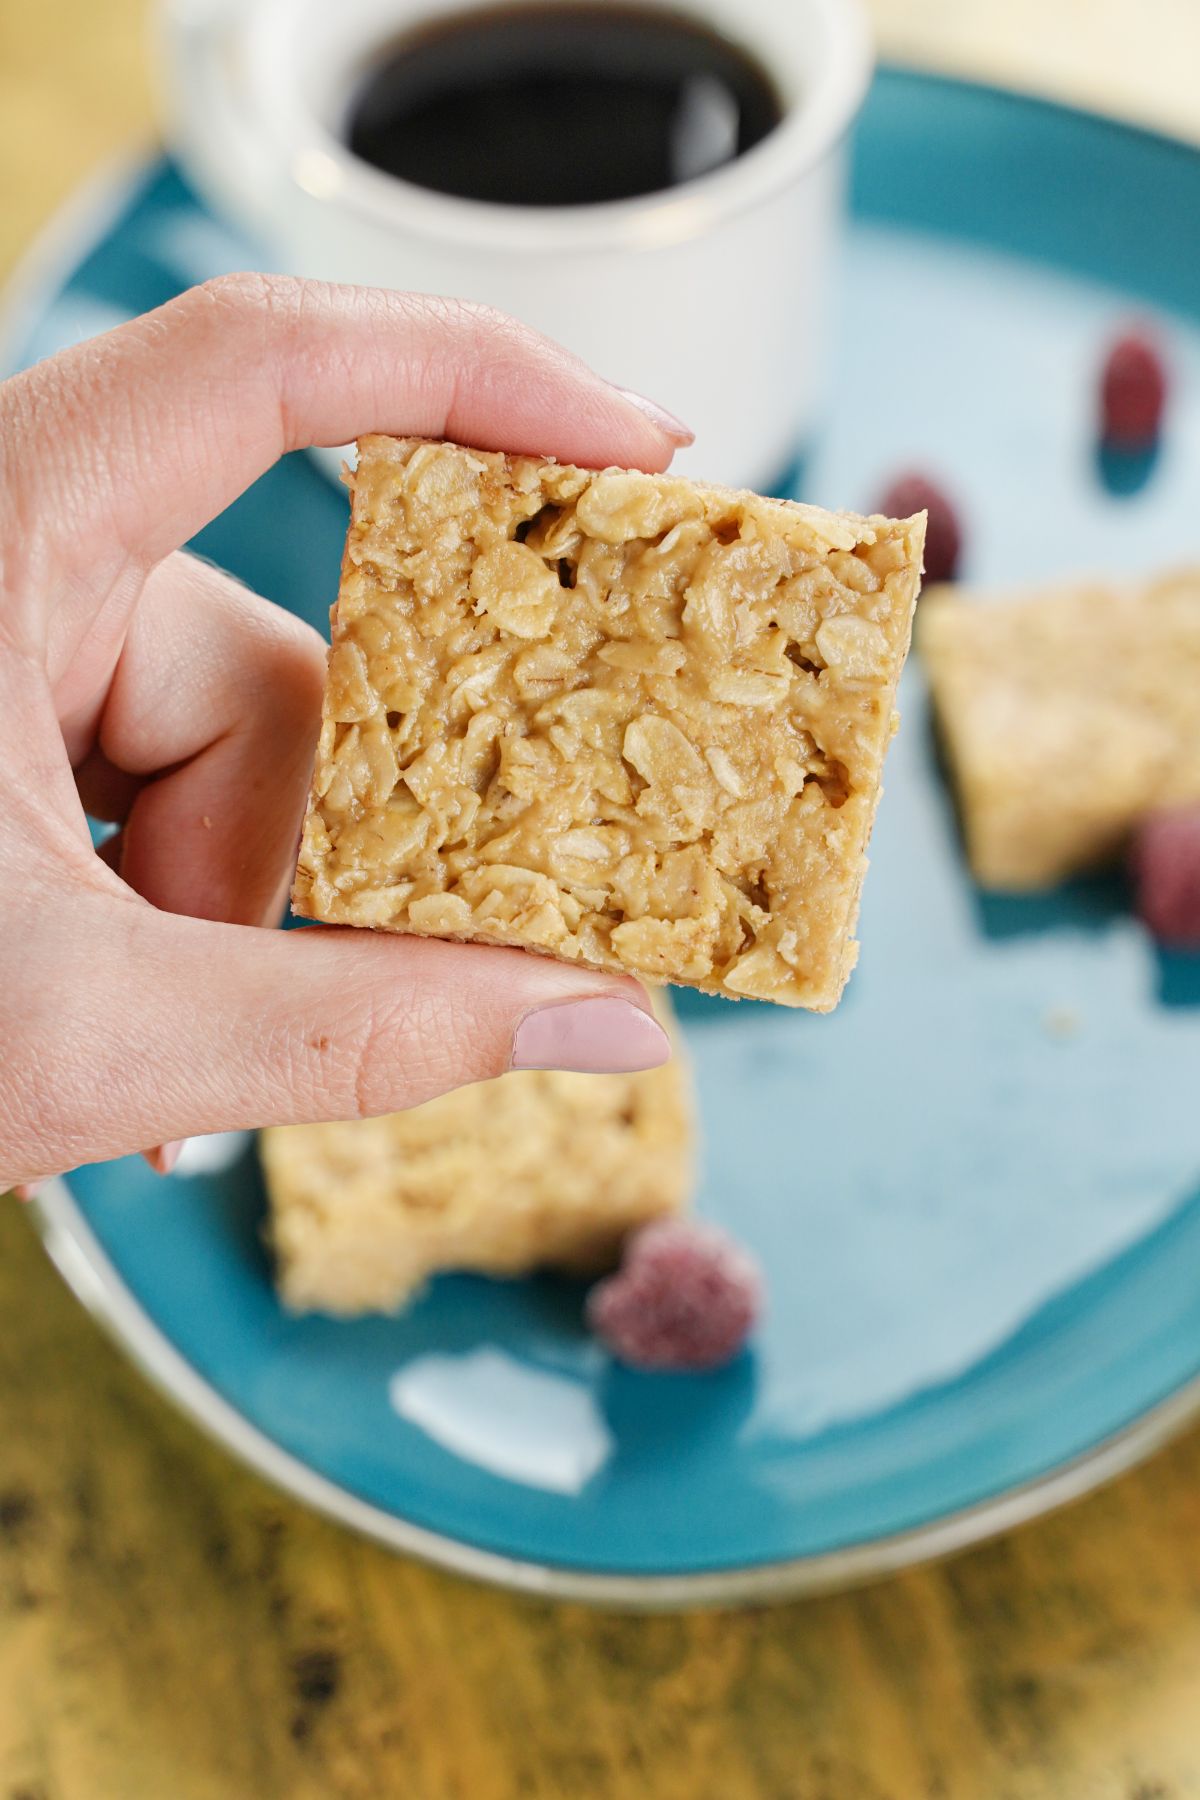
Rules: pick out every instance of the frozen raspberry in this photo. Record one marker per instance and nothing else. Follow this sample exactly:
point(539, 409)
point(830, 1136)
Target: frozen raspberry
point(685, 1297)
point(1133, 391)
point(915, 493)
point(1165, 861)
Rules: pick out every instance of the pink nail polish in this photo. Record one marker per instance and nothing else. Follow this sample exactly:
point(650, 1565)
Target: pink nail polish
point(599, 1036)
point(163, 1157)
point(659, 416)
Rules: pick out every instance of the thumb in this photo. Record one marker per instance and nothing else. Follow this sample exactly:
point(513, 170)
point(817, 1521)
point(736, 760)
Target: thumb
point(197, 1027)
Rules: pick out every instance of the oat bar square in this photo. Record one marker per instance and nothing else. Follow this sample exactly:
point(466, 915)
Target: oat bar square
point(1066, 716)
point(627, 720)
point(534, 1169)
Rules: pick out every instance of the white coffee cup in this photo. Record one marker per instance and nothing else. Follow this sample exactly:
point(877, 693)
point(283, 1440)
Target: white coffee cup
point(710, 297)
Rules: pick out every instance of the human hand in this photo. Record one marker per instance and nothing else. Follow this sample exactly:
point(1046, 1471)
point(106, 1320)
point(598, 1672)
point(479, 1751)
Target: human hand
point(144, 1001)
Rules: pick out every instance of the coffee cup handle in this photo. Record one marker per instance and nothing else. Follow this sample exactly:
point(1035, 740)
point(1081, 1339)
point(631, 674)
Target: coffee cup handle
point(201, 54)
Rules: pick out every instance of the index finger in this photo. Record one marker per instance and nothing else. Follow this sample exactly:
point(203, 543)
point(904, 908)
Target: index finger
point(145, 434)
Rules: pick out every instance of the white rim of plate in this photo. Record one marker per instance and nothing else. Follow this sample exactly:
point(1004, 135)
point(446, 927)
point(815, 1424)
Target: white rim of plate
point(87, 1270)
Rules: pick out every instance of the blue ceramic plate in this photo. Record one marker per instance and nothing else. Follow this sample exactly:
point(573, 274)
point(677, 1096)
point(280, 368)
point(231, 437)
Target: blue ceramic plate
point(976, 1188)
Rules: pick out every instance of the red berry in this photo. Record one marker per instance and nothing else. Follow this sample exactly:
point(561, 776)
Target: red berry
point(1165, 861)
point(915, 493)
point(1133, 391)
point(685, 1297)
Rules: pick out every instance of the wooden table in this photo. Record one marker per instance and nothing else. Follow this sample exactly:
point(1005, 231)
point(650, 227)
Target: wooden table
point(170, 1629)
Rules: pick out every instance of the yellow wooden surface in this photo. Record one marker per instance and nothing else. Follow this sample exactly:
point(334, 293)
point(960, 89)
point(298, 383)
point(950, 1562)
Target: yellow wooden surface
point(172, 1630)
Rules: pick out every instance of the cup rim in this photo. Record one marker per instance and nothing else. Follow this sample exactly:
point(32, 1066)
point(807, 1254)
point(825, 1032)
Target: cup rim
point(319, 164)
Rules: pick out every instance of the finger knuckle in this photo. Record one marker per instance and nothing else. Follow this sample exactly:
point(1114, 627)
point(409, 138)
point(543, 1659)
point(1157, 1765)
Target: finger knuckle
point(247, 310)
point(387, 1054)
point(282, 663)
point(247, 293)
point(482, 326)
point(301, 652)
point(280, 633)
point(500, 335)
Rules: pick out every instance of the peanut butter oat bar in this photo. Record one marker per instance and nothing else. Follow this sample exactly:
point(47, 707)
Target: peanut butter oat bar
point(623, 719)
point(1066, 716)
point(533, 1169)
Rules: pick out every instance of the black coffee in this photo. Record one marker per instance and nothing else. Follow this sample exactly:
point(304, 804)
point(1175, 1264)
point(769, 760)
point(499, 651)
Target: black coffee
point(545, 105)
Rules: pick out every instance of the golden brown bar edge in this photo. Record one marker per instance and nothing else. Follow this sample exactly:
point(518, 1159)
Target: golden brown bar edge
point(627, 720)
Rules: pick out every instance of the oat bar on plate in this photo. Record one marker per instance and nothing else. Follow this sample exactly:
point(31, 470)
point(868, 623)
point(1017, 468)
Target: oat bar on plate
point(627, 720)
point(505, 1176)
point(1066, 716)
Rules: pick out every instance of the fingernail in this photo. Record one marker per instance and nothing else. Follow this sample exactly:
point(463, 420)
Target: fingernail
point(659, 416)
point(26, 1190)
point(601, 1036)
point(163, 1157)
